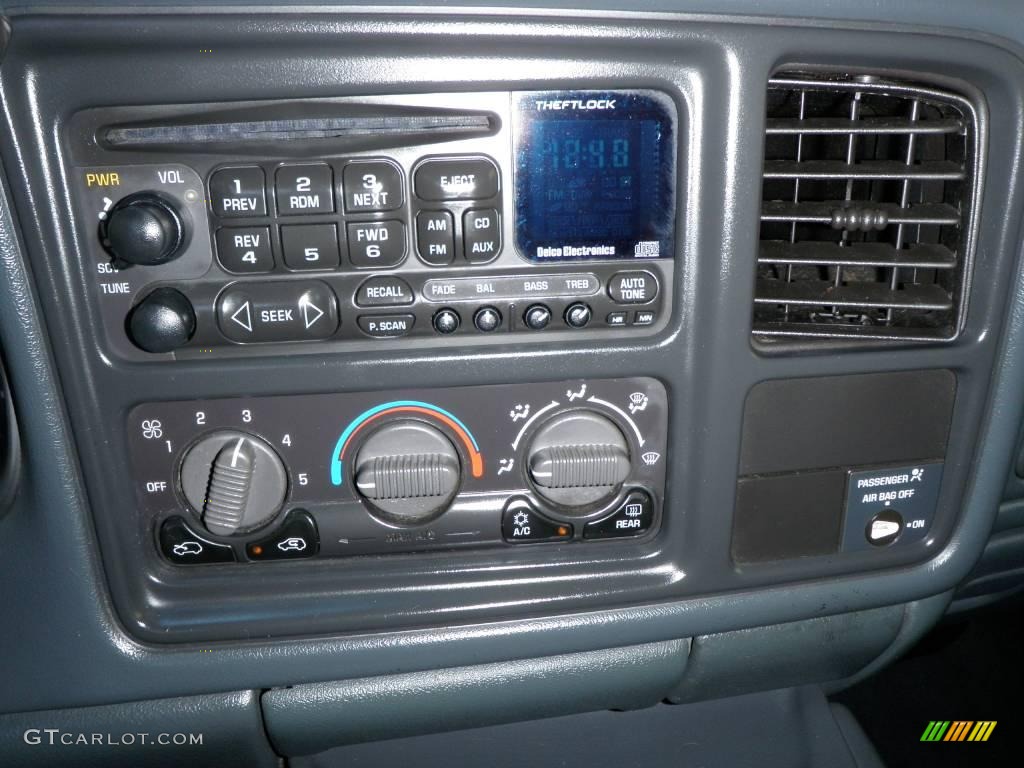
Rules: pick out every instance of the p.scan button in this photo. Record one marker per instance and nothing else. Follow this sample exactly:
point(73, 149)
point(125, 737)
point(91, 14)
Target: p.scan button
point(292, 311)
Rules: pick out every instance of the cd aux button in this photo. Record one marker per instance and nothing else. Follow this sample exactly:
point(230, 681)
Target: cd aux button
point(472, 178)
point(384, 291)
point(481, 235)
point(292, 311)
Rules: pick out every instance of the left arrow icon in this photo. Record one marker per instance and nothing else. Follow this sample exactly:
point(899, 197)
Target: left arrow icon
point(243, 316)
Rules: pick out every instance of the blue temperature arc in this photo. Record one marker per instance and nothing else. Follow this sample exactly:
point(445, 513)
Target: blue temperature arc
point(337, 473)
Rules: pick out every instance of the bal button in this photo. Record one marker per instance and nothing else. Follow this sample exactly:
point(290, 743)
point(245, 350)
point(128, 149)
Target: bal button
point(487, 319)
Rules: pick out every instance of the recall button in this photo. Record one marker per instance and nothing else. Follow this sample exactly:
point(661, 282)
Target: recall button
point(633, 287)
point(470, 178)
point(384, 291)
point(386, 326)
point(292, 311)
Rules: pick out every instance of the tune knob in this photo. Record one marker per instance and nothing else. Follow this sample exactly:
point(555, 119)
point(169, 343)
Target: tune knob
point(234, 480)
point(408, 471)
point(578, 459)
point(163, 321)
point(145, 229)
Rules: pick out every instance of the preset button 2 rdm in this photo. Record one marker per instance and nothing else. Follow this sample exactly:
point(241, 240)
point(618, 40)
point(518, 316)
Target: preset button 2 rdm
point(559, 217)
point(254, 479)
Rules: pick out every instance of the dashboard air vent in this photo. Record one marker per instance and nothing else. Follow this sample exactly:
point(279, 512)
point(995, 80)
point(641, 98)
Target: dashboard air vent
point(866, 211)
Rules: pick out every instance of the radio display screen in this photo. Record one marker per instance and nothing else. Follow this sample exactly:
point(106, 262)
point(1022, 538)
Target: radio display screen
point(594, 175)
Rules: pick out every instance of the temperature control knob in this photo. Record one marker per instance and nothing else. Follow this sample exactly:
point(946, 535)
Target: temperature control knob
point(578, 458)
point(235, 481)
point(145, 228)
point(408, 471)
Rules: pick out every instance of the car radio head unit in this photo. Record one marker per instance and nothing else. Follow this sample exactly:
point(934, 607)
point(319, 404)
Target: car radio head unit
point(511, 217)
point(595, 175)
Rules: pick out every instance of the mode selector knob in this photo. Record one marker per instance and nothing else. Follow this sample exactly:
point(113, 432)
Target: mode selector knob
point(145, 229)
point(578, 459)
point(408, 471)
point(234, 480)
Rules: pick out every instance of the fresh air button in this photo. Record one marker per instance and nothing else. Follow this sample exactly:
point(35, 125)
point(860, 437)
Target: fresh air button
point(520, 523)
point(245, 249)
point(384, 291)
point(288, 311)
point(238, 192)
point(304, 189)
point(633, 517)
point(294, 540)
point(633, 287)
point(481, 235)
point(310, 246)
point(891, 505)
point(386, 326)
point(182, 546)
point(471, 178)
point(372, 186)
point(376, 244)
point(435, 237)
point(884, 528)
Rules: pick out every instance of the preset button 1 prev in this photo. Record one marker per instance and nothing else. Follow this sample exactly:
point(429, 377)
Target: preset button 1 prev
point(292, 311)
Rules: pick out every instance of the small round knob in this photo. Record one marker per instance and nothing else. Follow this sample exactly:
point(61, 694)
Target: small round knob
point(408, 471)
point(235, 481)
point(447, 321)
point(578, 459)
point(537, 317)
point(577, 315)
point(145, 229)
point(487, 319)
point(163, 321)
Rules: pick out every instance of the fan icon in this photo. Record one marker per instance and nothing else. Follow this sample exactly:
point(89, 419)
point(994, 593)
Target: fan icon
point(521, 518)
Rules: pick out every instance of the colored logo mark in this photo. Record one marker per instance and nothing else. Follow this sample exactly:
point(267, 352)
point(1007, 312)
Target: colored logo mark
point(958, 730)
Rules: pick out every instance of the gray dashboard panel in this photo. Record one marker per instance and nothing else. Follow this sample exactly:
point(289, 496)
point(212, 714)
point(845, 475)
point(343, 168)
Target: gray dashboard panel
point(51, 523)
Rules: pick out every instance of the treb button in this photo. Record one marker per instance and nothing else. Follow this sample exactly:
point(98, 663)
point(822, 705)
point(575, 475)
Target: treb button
point(291, 311)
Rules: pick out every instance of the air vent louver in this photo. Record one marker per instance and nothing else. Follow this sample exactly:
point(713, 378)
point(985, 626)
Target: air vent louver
point(866, 209)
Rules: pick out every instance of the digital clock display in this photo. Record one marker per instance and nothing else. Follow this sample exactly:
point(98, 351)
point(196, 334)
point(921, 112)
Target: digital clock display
point(595, 175)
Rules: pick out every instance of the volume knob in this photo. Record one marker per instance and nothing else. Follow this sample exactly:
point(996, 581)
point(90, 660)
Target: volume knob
point(145, 229)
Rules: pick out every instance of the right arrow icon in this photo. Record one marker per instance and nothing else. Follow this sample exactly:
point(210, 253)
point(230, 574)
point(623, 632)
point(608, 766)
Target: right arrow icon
point(310, 312)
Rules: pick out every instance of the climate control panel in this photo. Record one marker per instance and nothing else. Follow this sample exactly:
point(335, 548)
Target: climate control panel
point(336, 475)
